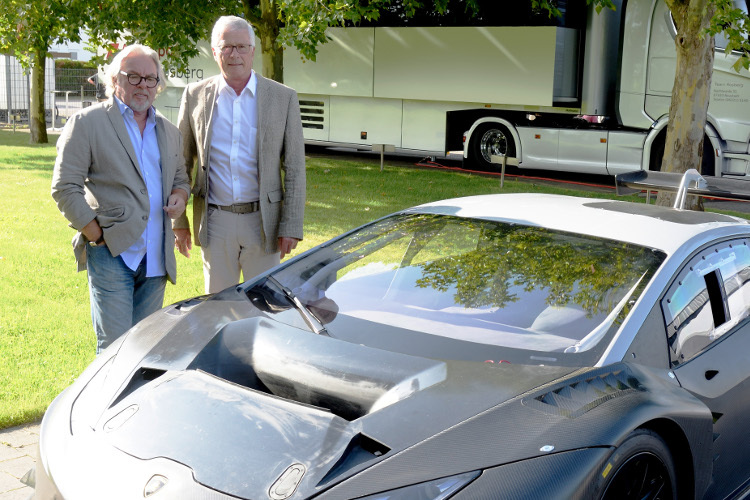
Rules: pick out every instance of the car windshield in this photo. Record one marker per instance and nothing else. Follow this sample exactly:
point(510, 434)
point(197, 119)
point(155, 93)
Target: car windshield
point(424, 280)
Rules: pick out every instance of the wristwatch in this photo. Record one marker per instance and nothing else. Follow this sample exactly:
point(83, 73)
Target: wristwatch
point(98, 242)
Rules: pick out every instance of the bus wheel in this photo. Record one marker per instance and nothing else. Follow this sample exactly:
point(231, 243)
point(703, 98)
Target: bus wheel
point(708, 165)
point(490, 139)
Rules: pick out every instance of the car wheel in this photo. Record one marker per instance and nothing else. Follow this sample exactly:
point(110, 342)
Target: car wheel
point(640, 468)
point(490, 139)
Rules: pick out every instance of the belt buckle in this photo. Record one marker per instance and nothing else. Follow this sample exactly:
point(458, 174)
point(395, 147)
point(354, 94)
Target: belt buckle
point(235, 208)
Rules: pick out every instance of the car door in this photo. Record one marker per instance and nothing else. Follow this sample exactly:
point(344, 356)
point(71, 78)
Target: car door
point(706, 310)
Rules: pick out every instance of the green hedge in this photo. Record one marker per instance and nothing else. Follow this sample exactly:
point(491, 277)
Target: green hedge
point(69, 63)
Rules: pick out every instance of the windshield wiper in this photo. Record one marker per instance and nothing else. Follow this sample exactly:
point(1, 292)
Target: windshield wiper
point(314, 323)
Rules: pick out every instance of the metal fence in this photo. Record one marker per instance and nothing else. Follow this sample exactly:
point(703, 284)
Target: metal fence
point(75, 89)
point(67, 90)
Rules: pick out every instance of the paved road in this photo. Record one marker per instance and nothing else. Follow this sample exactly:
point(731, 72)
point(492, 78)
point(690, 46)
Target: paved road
point(17, 456)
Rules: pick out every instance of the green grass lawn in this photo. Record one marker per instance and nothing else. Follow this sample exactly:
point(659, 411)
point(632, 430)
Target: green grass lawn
point(46, 338)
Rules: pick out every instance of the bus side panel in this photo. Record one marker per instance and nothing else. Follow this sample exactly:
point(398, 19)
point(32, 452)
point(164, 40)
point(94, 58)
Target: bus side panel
point(344, 65)
point(583, 151)
point(425, 124)
point(624, 151)
point(492, 65)
point(365, 121)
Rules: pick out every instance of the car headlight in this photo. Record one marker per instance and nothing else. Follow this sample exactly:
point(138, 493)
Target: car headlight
point(438, 489)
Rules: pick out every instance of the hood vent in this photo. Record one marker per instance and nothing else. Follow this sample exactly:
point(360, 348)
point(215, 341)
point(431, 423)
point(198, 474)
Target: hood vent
point(575, 399)
point(141, 377)
point(361, 449)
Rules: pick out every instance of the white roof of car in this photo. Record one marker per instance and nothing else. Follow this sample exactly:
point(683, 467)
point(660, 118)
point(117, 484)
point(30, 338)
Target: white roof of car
point(646, 225)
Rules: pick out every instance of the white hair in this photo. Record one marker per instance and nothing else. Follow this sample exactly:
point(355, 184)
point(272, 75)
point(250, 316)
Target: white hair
point(230, 23)
point(109, 76)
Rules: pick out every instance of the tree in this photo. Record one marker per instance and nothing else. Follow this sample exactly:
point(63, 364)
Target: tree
point(27, 29)
point(697, 22)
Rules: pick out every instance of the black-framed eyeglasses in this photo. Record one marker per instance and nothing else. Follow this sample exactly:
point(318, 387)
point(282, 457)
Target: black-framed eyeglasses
point(241, 49)
point(151, 81)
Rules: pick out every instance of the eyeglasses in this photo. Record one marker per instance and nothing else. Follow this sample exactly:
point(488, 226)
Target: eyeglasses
point(241, 49)
point(151, 81)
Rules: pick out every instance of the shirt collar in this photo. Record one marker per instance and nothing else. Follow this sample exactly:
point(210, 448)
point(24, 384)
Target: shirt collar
point(125, 109)
point(251, 85)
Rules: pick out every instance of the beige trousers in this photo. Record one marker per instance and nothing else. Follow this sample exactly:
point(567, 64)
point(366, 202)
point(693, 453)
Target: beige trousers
point(234, 245)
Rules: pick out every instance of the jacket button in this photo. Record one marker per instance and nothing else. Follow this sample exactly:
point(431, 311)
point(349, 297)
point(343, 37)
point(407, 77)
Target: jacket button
point(145, 217)
point(143, 191)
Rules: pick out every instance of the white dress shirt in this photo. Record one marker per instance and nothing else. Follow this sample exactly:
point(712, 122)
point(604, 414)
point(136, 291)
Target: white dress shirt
point(233, 157)
point(146, 148)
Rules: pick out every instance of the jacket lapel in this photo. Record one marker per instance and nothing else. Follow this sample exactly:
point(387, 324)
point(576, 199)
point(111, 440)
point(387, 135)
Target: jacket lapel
point(209, 103)
point(262, 99)
point(118, 123)
point(161, 139)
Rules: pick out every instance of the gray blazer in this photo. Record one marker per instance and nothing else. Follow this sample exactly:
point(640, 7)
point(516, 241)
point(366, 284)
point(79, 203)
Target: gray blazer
point(97, 175)
point(280, 147)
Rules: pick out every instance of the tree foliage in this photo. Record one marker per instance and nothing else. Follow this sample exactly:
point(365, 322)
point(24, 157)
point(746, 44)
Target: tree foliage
point(27, 30)
point(734, 24)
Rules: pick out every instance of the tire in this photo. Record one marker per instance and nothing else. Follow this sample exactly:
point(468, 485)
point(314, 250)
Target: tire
point(657, 153)
point(708, 165)
point(490, 139)
point(640, 468)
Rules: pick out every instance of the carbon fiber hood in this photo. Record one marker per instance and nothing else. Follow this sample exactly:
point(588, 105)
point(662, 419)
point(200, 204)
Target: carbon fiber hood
point(259, 409)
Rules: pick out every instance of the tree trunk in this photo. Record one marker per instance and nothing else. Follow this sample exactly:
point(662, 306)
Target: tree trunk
point(683, 148)
point(37, 118)
point(268, 31)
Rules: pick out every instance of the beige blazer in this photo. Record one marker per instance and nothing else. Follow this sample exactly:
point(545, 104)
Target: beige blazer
point(97, 175)
point(280, 147)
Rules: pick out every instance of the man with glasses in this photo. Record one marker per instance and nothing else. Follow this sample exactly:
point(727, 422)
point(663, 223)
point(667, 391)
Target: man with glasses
point(119, 178)
point(241, 130)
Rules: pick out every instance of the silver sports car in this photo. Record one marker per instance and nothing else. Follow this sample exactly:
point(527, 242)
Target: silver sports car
point(504, 346)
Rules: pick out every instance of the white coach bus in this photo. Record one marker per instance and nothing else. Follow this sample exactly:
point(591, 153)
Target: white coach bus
point(586, 93)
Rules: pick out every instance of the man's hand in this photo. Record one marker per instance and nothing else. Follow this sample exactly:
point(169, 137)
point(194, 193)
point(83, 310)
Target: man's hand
point(92, 231)
point(176, 203)
point(286, 245)
point(183, 241)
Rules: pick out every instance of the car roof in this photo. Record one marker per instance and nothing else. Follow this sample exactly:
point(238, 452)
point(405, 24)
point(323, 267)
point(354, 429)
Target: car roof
point(662, 228)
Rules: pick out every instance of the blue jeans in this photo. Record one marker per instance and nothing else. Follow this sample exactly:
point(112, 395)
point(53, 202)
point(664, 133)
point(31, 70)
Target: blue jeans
point(120, 297)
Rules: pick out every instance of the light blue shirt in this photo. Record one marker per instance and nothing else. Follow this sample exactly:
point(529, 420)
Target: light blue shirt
point(146, 148)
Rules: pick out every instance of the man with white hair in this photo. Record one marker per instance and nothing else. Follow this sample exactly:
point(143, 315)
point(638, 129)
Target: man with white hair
point(119, 178)
point(240, 131)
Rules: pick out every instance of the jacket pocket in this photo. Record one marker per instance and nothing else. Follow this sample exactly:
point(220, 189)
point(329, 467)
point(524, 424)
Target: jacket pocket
point(276, 196)
point(110, 216)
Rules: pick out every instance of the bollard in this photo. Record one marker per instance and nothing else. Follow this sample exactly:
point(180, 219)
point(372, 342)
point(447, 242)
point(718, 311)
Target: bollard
point(503, 160)
point(382, 149)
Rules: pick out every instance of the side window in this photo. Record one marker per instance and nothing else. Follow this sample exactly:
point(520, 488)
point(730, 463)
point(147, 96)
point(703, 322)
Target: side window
point(709, 297)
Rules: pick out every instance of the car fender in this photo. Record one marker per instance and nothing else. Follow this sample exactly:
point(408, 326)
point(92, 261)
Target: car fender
point(621, 398)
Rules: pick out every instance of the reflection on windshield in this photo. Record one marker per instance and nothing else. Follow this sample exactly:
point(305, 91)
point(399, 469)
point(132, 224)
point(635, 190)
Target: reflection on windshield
point(478, 281)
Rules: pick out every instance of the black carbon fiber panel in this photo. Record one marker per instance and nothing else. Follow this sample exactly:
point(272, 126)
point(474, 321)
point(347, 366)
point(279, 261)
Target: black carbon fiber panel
point(561, 475)
point(575, 399)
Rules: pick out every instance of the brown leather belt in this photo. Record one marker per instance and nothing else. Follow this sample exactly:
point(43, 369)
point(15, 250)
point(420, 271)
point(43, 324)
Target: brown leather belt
point(239, 208)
